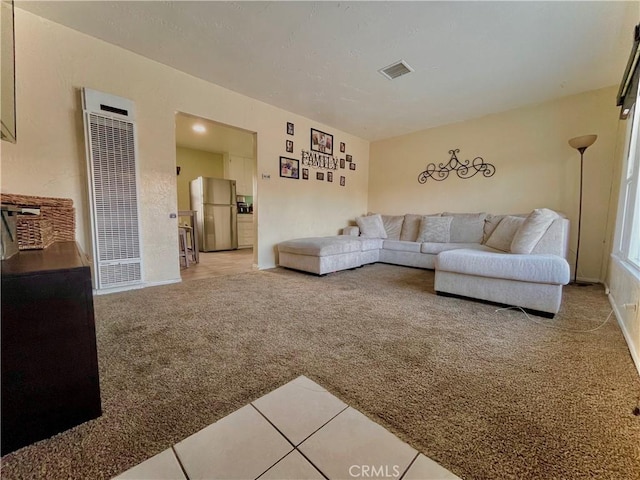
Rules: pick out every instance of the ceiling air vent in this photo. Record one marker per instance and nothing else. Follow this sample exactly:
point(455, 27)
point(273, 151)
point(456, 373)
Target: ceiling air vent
point(396, 69)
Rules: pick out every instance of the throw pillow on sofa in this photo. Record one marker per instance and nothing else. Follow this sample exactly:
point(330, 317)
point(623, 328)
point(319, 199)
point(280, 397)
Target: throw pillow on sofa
point(492, 222)
point(532, 230)
point(466, 227)
point(503, 234)
point(371, 226)
point(411, 226)
point(435, 229)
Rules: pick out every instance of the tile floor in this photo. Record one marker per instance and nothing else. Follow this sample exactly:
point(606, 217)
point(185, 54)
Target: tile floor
point(298, 431)
point(214, 264)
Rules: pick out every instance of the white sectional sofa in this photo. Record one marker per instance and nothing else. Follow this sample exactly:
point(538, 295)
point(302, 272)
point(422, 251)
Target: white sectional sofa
point(505, 259)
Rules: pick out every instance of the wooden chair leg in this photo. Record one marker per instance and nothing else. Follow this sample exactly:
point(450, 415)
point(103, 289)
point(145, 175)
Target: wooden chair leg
point(182, 243)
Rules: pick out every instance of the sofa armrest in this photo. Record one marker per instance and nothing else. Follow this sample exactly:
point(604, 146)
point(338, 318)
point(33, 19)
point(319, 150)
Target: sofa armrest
point(352, 231)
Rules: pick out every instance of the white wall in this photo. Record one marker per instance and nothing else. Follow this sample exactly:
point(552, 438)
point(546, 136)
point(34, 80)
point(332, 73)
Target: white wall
point(622, 280)
point(625, 290)
point(53, 62)
point(535, 167)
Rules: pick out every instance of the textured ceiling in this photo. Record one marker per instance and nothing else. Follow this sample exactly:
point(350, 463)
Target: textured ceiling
point(320, 59)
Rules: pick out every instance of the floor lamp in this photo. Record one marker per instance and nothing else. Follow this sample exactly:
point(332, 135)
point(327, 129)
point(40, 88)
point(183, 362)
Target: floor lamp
point(581, 144)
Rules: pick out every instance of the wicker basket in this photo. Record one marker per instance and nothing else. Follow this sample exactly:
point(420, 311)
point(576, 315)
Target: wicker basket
point(63, 221)
point(33, 232)
point(32, 201)
point(59, 214)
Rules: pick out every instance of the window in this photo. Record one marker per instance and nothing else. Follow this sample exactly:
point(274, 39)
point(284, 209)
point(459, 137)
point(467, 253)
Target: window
point(628, 243)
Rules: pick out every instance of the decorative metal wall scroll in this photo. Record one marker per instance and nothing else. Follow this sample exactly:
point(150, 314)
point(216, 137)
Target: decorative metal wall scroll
point(465, 169)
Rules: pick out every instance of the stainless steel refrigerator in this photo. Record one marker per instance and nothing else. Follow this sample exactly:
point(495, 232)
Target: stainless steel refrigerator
point(215, 201)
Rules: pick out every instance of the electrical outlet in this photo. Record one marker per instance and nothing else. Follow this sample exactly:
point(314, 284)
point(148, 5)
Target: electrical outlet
point(630, 306)
point(266, 176)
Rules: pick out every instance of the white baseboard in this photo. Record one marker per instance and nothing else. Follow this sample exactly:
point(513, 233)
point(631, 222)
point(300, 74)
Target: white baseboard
point(107, 291)
point(136, 286)
point(164, 282)
point(635, 356)
point(589, 280)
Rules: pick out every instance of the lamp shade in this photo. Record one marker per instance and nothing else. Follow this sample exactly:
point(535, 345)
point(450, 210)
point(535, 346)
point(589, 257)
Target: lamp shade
point(583, 142)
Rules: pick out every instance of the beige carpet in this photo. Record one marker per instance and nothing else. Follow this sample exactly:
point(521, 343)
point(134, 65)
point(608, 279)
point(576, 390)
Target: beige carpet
point(486, 394)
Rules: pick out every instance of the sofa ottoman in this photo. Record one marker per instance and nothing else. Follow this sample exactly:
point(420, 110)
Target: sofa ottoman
point(533, 282)
point(321, 255)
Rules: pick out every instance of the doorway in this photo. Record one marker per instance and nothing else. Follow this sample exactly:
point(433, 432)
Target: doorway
point(209, 149)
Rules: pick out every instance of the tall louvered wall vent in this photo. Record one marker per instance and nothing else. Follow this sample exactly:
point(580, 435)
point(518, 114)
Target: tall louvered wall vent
point(110, 136)
point(396, 70)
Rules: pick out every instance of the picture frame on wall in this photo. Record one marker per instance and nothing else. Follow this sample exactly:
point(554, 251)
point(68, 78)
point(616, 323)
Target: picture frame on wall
point(321, 142)
point(349, 158)
point(343, 181)
point(289, 168)
point(290, 146)
point(342, 163)
point(352, 166)
point(305, 174)
point(290, 128)
point(329, 176)
point(319, 175)
point(343, 147)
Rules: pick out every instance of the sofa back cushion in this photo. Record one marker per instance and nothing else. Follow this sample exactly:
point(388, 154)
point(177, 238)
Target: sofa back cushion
point(490, 224)
point(492, 221)
point(410, 227)
point(503, 234)
point(434, 229)
point(532, 230)
point(466, 227)
point(371, 226)
point(393, 226)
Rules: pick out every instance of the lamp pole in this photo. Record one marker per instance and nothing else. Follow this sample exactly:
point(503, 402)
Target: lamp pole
point(575, 272)
point(580, 144)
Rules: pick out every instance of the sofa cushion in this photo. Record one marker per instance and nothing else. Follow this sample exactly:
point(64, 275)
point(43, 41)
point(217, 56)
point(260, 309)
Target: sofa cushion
point(532, 230)
point(401, 246)
point(411, 226)
point(502, 236)
point(351, 230)
point(370, 243)
point(321, 246)
point(466, 227)
point(436, 248)
point(526, 268)
point(434, 229)
point(371, 226)
point(393, 225)
point(492, 222)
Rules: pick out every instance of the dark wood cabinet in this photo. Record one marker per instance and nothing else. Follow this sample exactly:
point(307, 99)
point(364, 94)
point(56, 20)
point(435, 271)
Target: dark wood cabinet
point(49, 360)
